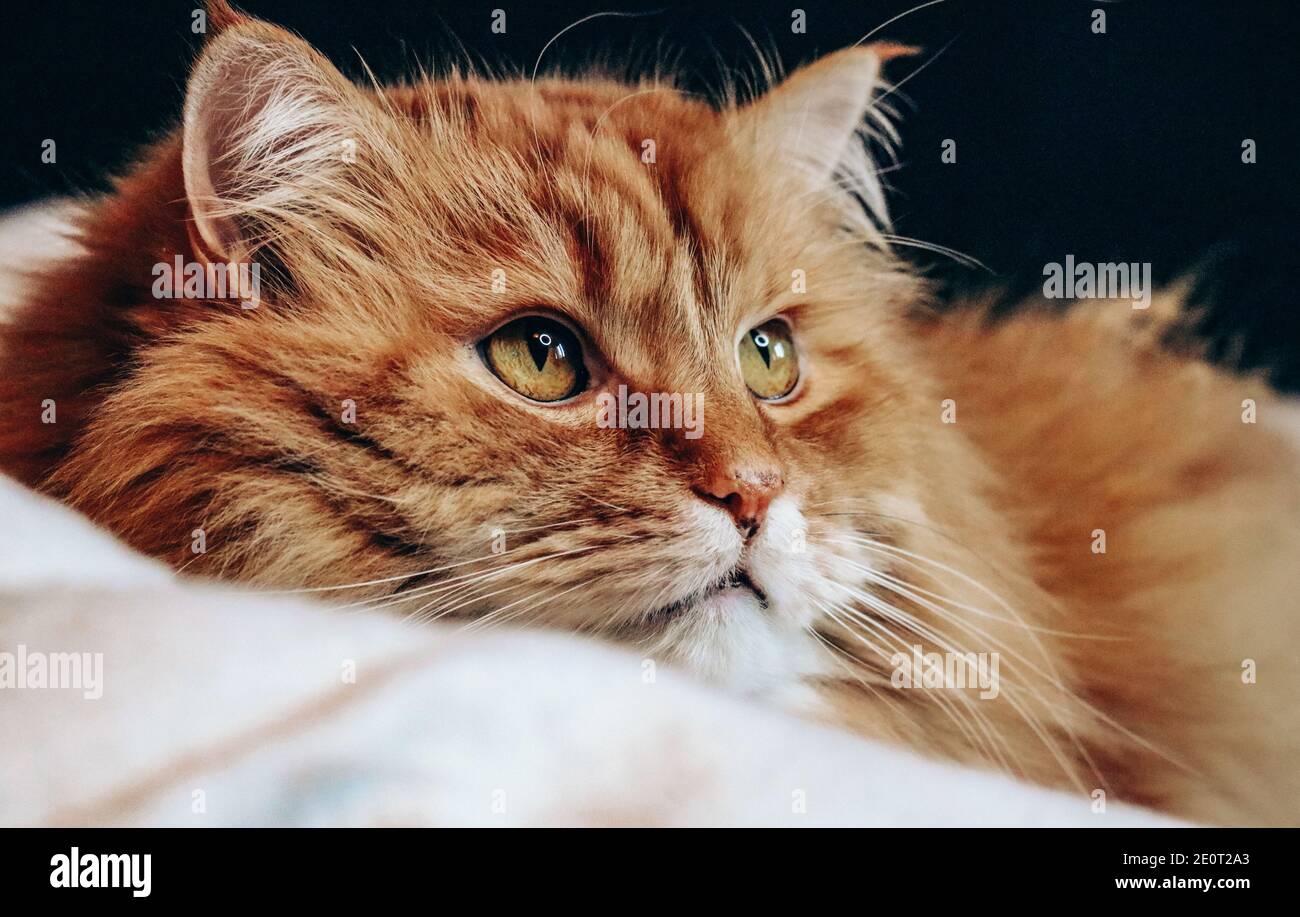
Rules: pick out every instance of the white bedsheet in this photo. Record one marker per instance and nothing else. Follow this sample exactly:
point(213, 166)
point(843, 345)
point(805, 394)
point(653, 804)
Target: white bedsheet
point(219, 707)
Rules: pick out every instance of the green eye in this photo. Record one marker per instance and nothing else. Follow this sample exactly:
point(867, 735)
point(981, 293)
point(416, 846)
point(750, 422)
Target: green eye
point(768, 361)
point(538, 357)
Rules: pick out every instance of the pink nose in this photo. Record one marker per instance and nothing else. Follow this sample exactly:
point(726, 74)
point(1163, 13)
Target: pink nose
point(745, 492)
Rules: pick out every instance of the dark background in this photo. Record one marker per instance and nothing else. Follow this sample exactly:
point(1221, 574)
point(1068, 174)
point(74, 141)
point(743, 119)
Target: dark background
point(1117, 147)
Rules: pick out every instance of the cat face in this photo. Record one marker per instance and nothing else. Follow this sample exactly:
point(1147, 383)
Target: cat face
point(466, 282)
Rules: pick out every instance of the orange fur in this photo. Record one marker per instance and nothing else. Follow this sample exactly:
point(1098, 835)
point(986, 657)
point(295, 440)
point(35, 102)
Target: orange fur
point(1121, 670)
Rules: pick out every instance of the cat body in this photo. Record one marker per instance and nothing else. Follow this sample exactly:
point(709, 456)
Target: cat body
point(1062, 499)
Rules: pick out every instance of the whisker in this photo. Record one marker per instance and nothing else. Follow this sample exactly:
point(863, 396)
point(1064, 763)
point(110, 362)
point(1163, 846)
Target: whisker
point(961, 258)
point(1052, 676)
point(943, 702)
point(1006, 686)
point(889, 22)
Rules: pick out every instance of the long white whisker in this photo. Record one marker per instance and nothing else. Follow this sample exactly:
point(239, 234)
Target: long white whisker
point(944, 703)
point(926, 632)
point(906, 620)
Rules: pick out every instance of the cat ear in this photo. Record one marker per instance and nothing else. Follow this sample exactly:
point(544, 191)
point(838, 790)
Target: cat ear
point(820, 117)
point(266, 121)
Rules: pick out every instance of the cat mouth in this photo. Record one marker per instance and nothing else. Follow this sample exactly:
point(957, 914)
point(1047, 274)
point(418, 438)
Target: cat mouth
point(735, 586)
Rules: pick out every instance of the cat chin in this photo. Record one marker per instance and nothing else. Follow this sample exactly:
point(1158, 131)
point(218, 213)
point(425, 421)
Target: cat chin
point(733, 639)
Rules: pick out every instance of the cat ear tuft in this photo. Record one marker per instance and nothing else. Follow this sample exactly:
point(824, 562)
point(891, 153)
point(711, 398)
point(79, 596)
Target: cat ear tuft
point(265, 118)
point(222, 16)
point(820, 118)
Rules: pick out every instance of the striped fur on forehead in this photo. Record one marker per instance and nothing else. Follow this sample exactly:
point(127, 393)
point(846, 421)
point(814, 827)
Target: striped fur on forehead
point(676, 244)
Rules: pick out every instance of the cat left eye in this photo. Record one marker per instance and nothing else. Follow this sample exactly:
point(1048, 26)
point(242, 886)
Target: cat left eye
point(538, 357)
point(768, 361)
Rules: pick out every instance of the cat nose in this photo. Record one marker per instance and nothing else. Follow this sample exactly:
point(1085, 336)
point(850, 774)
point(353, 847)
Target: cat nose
point(745, 492)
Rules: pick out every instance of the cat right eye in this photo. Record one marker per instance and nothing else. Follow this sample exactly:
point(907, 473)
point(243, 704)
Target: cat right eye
point(538, 357)
point(768, 360)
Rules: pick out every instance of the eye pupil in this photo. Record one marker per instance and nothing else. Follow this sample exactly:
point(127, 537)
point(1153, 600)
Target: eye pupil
point(538, 351)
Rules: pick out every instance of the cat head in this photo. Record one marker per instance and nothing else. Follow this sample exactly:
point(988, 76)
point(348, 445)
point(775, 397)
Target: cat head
point(551, 351)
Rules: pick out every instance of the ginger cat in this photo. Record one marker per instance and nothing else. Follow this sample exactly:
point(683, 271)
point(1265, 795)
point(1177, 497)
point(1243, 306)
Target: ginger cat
point(406, 406)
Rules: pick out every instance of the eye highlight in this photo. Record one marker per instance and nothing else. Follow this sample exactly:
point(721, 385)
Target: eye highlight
point(538, 357)
point(768, 362)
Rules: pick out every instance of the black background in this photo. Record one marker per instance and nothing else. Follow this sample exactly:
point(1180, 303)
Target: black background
point(1117, 147)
